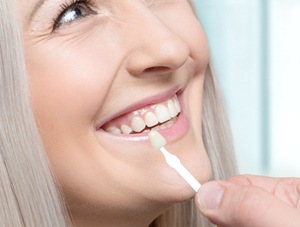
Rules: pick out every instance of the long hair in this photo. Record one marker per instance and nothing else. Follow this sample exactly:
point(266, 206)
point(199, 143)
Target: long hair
point(27, 190)
point(28, 193)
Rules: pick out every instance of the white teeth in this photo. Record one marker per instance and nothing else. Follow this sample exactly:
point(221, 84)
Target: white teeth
point(137, 124)
point(170, 123)
point(113, 130)
point(177, 105)
point(150, 119)
point(162, 113)
point(126, 129)
point(172, 108)
point(156, 128)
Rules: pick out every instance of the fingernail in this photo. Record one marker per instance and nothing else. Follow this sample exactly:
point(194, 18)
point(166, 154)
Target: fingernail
point(210, 196)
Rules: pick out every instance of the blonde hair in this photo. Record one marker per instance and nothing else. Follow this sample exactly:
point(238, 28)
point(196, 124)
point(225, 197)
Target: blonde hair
point(28, 194)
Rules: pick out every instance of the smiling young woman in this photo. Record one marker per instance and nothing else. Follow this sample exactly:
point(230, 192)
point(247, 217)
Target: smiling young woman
point(101, 74)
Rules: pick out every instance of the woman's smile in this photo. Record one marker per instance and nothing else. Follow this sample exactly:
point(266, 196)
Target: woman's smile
point(99, 82)
point(163, 112)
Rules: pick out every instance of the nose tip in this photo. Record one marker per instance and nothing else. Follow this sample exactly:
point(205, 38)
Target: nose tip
point(157, 49)
point(157, 57)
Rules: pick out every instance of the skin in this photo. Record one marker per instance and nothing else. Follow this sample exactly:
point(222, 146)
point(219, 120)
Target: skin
point(251, 201)
point(85, 71)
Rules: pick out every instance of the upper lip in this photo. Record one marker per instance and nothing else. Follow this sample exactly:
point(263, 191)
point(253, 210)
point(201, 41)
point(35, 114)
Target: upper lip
point(141, 103)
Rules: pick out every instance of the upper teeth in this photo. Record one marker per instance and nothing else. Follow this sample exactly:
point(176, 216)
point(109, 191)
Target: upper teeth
point(149, 117)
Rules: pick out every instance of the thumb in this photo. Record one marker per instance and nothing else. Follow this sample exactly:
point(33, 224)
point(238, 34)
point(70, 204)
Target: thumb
point(236, 205)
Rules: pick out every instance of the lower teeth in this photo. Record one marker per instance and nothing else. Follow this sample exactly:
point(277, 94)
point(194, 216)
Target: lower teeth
point(165, 125)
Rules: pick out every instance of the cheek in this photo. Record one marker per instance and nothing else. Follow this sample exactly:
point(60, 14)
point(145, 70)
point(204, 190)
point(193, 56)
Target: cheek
point(195, 103)
point(67, 85)
point(199, 50)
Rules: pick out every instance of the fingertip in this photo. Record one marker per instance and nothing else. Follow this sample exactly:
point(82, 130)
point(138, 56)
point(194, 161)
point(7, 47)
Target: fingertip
point(209, 196)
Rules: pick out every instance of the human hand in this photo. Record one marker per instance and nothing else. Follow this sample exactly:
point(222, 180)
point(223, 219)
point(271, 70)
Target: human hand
point(251, 201)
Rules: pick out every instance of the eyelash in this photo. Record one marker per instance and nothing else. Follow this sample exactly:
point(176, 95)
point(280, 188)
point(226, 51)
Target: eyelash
point(67, 6)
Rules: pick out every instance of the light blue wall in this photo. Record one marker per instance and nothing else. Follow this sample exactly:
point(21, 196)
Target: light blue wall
point(284, 36)
point(256, 53)
point(236, 32)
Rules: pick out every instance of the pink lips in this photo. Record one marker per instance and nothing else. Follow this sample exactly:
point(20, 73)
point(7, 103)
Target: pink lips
point(178, 129)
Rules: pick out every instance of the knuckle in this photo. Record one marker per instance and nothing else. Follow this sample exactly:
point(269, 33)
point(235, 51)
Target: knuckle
point(241, 179)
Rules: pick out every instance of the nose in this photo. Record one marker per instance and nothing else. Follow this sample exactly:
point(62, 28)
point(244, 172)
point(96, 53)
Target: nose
point(155, 47)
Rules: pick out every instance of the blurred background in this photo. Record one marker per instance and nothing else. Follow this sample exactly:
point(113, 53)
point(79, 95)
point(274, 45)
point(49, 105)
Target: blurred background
point(255, 47)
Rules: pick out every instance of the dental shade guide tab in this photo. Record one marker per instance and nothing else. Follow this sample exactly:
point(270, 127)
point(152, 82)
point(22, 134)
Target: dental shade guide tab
point(158, 142)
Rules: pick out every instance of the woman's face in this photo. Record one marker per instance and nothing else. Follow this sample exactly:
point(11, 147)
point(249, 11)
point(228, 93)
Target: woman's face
point(102, 73)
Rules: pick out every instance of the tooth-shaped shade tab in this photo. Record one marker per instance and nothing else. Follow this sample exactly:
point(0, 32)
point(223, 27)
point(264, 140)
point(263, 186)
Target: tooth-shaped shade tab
point(157, 140)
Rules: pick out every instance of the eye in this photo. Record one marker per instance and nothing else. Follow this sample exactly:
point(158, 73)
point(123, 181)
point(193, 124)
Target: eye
point(70, 13)
point(73, 14)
